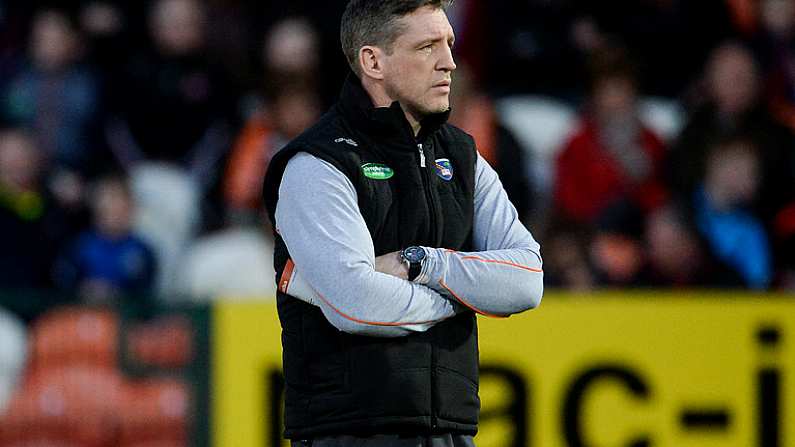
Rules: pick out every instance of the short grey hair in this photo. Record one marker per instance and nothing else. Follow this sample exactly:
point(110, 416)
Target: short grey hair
point(375, 22)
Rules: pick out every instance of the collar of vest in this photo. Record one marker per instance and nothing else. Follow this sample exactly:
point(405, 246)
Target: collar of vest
point(389, 121)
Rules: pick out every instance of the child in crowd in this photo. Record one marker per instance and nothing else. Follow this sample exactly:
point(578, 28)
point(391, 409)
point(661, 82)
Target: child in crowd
point(735, 234)
point(108, 261)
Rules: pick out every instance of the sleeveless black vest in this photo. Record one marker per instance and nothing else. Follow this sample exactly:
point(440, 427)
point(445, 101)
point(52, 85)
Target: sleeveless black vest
point(421, 384)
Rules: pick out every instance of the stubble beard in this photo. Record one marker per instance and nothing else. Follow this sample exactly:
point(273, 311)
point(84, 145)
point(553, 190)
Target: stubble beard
point(422, 110)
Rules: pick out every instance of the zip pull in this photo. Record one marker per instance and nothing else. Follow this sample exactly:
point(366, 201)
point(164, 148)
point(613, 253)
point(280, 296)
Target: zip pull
point(422, 155)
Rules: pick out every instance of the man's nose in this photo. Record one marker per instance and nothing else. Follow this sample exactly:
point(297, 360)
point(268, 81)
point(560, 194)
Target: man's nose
point(446, 62)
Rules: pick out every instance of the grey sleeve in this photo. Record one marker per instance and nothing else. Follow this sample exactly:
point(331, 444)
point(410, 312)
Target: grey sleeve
point(504, 274)
point(318, 217)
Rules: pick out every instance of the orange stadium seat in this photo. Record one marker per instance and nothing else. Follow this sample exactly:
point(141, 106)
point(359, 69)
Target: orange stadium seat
point(64, 407)
point(73, 335)
point(166, 342)
point(157, 444)
point(155, 414)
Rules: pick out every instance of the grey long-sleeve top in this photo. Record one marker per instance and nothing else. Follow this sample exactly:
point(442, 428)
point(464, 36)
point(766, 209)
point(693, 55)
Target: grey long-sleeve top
point(319, 219)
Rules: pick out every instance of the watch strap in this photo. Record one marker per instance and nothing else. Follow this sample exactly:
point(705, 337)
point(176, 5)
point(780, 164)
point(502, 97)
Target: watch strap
point(414, 270)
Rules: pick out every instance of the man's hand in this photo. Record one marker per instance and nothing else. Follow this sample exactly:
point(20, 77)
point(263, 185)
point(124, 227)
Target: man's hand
point(392, 264)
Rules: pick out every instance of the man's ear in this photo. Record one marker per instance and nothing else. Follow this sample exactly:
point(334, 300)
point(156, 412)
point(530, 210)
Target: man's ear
point(371, 62)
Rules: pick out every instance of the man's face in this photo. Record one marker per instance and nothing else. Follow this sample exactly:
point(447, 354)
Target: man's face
point(417, 73)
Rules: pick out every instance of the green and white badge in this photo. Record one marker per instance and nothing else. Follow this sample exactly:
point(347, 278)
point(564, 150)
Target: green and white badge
point(377, 171)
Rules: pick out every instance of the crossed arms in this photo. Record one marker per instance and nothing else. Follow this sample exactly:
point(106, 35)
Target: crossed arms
point(335, 267)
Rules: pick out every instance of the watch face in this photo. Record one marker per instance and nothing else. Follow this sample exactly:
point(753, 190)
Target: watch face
point(414, 254)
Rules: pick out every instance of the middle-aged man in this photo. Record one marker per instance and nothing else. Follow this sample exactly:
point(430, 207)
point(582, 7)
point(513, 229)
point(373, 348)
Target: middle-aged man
point(391, 235)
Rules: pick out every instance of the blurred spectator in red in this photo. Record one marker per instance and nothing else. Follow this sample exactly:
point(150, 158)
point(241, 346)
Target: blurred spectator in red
point(473, 111)
point(55, 95)
point(735, 234)
point(108, 262)
point(732, 103)
point(287, 104)
point(608, 175)
point(613, 157)
point(173, 105)
point(32, 227)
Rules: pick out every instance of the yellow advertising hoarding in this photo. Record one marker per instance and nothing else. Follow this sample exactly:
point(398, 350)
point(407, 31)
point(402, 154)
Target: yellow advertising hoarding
point(641, 369)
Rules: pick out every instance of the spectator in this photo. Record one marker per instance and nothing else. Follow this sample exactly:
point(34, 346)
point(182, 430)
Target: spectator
point(613, 157)
point(616, 251)
point(287, 104)
point(673, 250)
point(55, 95)
point(473, 111)
point(734, 233)
point(324, 19)
point(32, 227)
point(608, 174)
point(287, 40)
point(677, 254)
point(733, 104)
point(173, 106)
point(108, 261)
point(291, 111)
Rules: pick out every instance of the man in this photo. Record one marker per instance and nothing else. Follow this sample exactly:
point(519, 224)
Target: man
point(391, 234)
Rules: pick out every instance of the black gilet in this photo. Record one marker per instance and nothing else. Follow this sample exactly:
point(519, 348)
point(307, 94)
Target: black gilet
point(424, 383)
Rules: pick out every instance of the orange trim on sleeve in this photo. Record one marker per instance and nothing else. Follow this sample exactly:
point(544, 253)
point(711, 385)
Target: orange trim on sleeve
point(467, 304)
point(371, 323)
point(511, 264)
point(287, 274)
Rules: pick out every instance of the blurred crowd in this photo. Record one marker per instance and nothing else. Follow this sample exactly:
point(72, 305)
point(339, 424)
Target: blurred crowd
point(646, 143)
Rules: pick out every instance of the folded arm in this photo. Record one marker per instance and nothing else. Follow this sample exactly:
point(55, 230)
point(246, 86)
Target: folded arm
point(318, 217)
point(504, 274)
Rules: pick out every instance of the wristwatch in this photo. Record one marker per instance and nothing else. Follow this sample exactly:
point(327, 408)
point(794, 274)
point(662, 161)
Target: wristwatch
point(413, 257)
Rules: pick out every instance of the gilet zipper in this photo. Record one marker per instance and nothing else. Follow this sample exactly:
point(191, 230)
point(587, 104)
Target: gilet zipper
point(432, 204)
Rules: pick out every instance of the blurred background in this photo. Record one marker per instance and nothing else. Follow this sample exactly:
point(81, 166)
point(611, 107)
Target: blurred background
point(649, 145)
